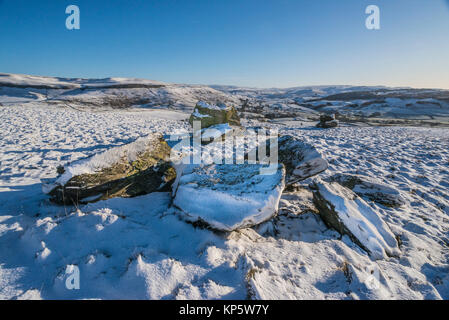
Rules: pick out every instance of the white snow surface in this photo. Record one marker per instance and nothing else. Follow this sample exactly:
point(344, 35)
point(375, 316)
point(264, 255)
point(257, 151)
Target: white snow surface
point(55, 82)
point(104, 94)
point(206, 105)
point(199, 115)
point(141, 248)
point(213, 132)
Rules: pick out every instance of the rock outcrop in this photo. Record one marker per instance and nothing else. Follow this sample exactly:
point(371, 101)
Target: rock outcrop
point(131, 170)
point(210, 115)
point(327, 121)
point(301, 160)
point(344, 211)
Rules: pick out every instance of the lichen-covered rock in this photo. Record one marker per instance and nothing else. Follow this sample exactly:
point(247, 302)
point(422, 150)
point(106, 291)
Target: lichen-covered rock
point(344, 211)
point(210, 115)
point(370, 188)
point(135, 169)
point(301, 160)
point(228, 197)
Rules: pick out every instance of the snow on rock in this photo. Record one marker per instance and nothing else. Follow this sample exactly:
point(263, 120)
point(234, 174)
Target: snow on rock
point(371, 188)
point(196, 114)
point(301, 159)
point(210, 115)
point(134, 169)
point(204, 105)
point(229, 197)
point(343, 210)
point(214, 132)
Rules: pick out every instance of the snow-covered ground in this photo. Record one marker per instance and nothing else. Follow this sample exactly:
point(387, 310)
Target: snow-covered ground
point(141, 248)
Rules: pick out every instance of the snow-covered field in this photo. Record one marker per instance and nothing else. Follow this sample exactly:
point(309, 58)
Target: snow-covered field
point(143, 248)
point(140, 248)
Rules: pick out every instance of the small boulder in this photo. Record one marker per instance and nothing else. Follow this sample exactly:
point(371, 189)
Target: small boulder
point(131, 170)
point(301, 160)
point(344, 211)
point(228, 197)
point(210, 115)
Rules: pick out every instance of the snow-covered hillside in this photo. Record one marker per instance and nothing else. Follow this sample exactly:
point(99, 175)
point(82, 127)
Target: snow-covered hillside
point(142, 248)
point(110, 93)
point(377, 105)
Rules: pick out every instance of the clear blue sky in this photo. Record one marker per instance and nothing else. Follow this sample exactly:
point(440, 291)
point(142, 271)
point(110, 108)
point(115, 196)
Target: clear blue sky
point(263, 43)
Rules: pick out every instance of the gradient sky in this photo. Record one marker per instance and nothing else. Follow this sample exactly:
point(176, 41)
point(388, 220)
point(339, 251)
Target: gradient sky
point(260, 43)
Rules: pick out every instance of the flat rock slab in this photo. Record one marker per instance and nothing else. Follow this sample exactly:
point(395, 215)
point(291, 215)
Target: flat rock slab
point(229, 197)
point(343, 210)
point(131, 170)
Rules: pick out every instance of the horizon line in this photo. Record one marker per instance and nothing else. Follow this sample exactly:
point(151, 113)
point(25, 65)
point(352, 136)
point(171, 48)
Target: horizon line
point(231, 85)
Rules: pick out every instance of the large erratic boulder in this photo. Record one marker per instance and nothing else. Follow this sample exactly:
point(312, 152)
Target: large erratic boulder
point(343, 210)
point(228, 197)
point(370, 188)
point(209, 114)
point(131, 170)
point(327, 121)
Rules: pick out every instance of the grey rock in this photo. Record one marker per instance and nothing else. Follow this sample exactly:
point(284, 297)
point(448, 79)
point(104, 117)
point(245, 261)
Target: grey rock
point(139, 168)
point(344, 211)
point(370, 188)
point(301, 160)
point(210, 115)
point(328, 124)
